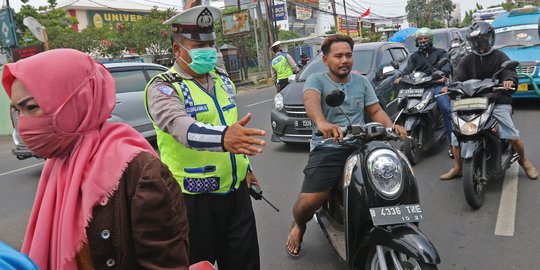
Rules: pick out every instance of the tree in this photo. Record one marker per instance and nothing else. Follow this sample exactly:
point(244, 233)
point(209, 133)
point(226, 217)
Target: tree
point(429, 13)
point(467, 20)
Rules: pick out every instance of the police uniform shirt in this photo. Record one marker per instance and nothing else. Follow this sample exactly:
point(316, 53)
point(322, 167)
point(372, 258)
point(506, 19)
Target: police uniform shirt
point(291, 62)
point(168, 110)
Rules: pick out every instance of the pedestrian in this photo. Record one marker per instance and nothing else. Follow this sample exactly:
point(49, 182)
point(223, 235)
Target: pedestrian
point(425, 60)
point(283, 66)
point(483, 63)
point(326, 161)
point(194, 110)
point(104, 199)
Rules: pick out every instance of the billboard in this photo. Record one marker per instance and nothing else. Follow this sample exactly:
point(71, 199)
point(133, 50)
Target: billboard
point(9, 37)
point(235, 23)
point(98, 18)
point(303, 13)
point(313, 3)
point(280, 14)
point(352, 23)
point(21, 53)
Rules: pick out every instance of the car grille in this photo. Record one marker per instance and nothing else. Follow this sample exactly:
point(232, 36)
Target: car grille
point(296, 111)
point(527, 69)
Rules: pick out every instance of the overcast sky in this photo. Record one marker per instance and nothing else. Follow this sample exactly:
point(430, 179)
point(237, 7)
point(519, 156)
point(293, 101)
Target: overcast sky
point(380, 7)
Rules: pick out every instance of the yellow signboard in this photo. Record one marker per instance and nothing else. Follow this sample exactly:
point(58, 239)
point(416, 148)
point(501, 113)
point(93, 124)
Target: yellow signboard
point(100, 18)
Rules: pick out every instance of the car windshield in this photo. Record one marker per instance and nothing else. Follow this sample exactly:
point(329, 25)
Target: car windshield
point(516, 36)
point(362, 64)
point(440, 40)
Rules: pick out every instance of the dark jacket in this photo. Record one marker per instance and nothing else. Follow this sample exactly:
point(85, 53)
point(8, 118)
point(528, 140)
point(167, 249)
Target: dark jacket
point(473, 66)
point(419, 62)
point(144, 224)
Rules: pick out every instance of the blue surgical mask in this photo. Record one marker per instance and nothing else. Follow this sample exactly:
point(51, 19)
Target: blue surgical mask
point(203, 60)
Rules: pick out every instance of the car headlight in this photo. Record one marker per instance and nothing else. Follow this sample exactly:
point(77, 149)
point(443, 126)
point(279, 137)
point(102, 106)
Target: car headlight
point(469, 128)
point(349, 167)
point(278, 102)
point(385, 172)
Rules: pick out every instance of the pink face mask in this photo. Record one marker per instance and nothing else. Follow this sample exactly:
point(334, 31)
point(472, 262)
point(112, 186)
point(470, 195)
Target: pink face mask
point(40, 136)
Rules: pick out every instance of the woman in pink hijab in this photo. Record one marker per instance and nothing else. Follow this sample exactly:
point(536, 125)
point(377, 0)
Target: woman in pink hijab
point(104, 199)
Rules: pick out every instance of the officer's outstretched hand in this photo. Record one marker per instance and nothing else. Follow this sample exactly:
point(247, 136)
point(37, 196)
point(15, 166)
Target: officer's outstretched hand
point(238, 139)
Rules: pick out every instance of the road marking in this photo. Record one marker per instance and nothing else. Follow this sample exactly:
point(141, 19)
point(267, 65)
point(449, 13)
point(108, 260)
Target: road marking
point(507, 207)
point(24, 168)
point(257, 103)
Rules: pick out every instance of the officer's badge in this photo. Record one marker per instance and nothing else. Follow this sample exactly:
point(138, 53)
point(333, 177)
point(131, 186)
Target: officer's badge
point(167, 90)
point(205, 19)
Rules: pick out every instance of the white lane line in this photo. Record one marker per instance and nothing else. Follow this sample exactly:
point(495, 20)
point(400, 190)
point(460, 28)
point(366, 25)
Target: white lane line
point(24, 168)
point(507, 207)
point(260, 102)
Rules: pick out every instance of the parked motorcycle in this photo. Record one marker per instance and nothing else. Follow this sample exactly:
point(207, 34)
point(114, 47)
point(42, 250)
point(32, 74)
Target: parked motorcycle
point(371, 217)
point(484, 155)
point(420, 115)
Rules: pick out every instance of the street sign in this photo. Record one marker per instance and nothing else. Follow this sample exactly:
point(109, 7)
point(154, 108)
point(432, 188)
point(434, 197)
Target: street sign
point(35, 27)
point(7, 27)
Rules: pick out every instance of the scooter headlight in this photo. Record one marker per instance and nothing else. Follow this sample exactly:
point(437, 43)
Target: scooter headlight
point(470, 127)
point(278, 102)
point(347, 172)
point(385, 172)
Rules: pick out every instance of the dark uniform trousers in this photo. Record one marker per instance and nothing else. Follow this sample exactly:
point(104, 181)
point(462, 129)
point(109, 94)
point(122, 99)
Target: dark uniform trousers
point(222, 228)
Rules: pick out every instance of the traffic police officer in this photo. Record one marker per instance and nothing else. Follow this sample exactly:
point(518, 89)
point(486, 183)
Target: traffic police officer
point(194, 111)
point(283, 66)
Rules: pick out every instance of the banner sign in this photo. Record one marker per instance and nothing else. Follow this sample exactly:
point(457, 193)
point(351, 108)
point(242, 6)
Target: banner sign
point(98, 18)
point(280, 14)
point(25, 52)
point(9, 37)
point(235, 23)
point(303, 13)
point(351, 23)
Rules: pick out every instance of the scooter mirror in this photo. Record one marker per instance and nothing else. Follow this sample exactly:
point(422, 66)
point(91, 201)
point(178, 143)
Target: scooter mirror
point(509, 64)
point(335, 98)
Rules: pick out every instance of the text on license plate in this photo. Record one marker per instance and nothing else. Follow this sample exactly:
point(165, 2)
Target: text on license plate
point(411, 92)
point(523, 87)
point(396, 214)
point(302, 124)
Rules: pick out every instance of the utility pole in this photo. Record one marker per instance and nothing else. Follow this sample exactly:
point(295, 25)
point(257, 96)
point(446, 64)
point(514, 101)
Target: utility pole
point(346, 19)
point(335, 14)
point(264, 41)
point(270, 32)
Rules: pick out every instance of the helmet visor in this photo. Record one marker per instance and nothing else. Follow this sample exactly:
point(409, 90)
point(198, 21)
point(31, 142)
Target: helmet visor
point(481, 43)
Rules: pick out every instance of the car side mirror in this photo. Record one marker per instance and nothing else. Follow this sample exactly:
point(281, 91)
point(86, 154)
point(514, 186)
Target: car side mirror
point(335, 98)
point(291, 78)
point(394, 64)
point(388, 71)
point(509, 64)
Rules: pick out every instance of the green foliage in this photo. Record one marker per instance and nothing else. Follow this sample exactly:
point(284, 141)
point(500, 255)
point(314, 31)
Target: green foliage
point(429, 13)
point(370, 36)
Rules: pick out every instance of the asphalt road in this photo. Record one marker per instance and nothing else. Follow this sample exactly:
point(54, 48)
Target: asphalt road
point(503, 234)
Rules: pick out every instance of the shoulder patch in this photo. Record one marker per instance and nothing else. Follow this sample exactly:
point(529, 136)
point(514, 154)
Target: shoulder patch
point(165, 89)
point(171, 77)
point(221, 71)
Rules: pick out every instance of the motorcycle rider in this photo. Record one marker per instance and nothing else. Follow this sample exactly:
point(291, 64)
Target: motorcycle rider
point(326, 161)
point(424, 60)
point(482, 64)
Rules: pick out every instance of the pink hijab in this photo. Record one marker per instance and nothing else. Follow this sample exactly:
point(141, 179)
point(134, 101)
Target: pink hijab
point(80, 96)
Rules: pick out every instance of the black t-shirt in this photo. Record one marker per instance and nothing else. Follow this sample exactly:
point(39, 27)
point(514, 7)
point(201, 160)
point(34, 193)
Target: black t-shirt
point(473, 66)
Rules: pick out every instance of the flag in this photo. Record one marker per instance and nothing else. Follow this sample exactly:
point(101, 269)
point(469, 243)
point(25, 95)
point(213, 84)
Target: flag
point(365, 14)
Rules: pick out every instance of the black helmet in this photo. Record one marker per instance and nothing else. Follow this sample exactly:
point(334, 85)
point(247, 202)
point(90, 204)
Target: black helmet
point(481, 36)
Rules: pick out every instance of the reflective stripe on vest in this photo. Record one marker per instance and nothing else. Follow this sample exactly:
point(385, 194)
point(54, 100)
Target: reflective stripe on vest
point(202, 171)
point(281, 66)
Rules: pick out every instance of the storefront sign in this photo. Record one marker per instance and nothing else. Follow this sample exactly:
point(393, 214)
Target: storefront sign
point(25, 52)
point(303, 13)
point(280, 14)
point(99, 18)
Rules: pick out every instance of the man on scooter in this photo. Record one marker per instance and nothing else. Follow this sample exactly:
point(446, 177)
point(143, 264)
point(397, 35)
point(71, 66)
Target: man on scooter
point(326, 160)
point(482, 64)
point(424, 60)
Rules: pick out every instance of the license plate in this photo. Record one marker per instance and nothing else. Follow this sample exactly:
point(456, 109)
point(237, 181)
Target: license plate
point(302, 124)
point(411, 93)
point(396, 214)
point(523, 87)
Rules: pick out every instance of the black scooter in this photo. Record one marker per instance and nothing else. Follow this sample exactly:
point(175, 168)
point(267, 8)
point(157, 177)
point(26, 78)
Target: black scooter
point(484, 155)
point(420, 115)
point(371, 217)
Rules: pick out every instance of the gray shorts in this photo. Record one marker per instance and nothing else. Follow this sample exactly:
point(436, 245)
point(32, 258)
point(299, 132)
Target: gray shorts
point(506, 130)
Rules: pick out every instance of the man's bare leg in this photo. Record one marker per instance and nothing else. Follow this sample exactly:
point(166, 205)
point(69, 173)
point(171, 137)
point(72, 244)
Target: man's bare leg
point(304, 208)
point(530, 170)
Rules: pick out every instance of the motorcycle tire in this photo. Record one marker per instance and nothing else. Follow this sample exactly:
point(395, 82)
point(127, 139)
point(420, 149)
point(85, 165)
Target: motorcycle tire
point(411, 150)
point(473, 188)
point(410, 263)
